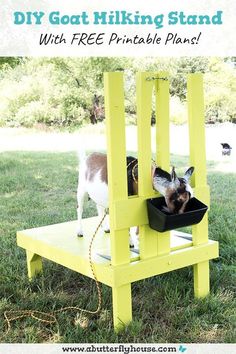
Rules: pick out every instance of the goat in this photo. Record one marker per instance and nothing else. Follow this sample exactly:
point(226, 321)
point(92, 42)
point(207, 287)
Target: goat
point(226, 149)
point(93, 182)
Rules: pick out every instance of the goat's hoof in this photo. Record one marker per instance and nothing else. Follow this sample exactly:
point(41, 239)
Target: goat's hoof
point(80, 234)
point(131, 246)
point(107, 231)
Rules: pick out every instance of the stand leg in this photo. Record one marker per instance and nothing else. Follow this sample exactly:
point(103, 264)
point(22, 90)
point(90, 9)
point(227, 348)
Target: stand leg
point(122, 306)
point(201, 279)
point(34, 264)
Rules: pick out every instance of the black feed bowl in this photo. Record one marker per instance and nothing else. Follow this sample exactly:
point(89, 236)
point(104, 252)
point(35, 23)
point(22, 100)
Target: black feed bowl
point(161, 221)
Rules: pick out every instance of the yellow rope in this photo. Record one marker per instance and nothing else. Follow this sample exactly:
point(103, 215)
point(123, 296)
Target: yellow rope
point(49, 317)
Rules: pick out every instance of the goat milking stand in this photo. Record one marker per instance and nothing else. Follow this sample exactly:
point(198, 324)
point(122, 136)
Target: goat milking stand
point(114, 263)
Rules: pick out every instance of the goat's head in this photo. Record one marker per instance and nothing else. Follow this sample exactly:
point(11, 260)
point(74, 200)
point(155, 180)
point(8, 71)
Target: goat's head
point(176, 190)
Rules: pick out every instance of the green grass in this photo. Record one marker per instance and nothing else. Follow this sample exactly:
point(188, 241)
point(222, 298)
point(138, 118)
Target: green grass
point(40, 189)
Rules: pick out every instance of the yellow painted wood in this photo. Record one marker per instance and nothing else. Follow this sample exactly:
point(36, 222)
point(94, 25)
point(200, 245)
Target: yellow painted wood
point(149, 267)
point(131, 212)
point(115, 125)
point(122, 306)
point(162, 121)
point(201, 279)
point(34, 264)
point(198, 160)
point(198, 150)
point(117, 180)
point(197, 135)
point(200, 231)
point(116, 159)
point(163, 242)
point(60, 244)
point(162, 143)
point(144, 91)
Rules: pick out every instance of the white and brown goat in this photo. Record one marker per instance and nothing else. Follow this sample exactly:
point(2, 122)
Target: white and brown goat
point(93, 182)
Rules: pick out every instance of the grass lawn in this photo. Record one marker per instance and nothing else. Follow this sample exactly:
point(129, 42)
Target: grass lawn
point(39, 189)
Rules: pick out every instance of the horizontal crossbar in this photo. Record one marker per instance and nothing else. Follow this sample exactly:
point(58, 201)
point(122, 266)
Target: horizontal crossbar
point(146, 268)
point(130, 212)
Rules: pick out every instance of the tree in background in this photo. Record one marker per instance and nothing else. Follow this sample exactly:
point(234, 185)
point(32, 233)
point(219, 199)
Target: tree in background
point(61, 91)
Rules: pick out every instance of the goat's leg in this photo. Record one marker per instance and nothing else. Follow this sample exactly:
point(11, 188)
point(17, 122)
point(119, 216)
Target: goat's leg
point(134, 237)
point(105, 225)
point(181, 211)
point(81, 194)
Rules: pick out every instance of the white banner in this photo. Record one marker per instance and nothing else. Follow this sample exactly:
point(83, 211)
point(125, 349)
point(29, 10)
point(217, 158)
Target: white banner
point(118, 28)
point(118, 348)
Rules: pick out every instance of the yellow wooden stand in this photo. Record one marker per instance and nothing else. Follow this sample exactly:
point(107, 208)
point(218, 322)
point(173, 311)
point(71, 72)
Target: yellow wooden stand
point(115, 265)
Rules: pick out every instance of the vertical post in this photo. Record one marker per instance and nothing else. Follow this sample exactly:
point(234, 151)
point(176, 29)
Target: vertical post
point(162, 121)
point(198, 150)
point(34, 264)
point(201, 275)
point(198, 160)
point(122, 306)
point(162, 142)
point(197, 135)
point(117, 181)
point(144, 88)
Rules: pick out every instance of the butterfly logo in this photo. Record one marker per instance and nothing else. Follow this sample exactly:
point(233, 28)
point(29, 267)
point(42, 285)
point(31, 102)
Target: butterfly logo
point(182, 349)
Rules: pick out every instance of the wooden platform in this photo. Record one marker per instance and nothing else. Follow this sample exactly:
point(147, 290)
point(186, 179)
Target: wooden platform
point(60, 244)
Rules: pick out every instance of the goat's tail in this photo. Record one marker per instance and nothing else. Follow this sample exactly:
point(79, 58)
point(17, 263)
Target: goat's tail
point(81, 154)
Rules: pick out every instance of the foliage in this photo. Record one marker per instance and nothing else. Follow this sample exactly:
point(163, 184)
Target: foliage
point(178, 110)
point(60, 91)
point(221, 92)
point(185, 66)
point(38, 189)
point(9, 62)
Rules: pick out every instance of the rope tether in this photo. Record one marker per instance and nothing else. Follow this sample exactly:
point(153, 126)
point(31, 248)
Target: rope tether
point(49, 317)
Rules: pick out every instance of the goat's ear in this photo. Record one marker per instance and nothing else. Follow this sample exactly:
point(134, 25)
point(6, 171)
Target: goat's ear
point(161, 180)
point(173, 175)
point(188, 173)
point(162, 174)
